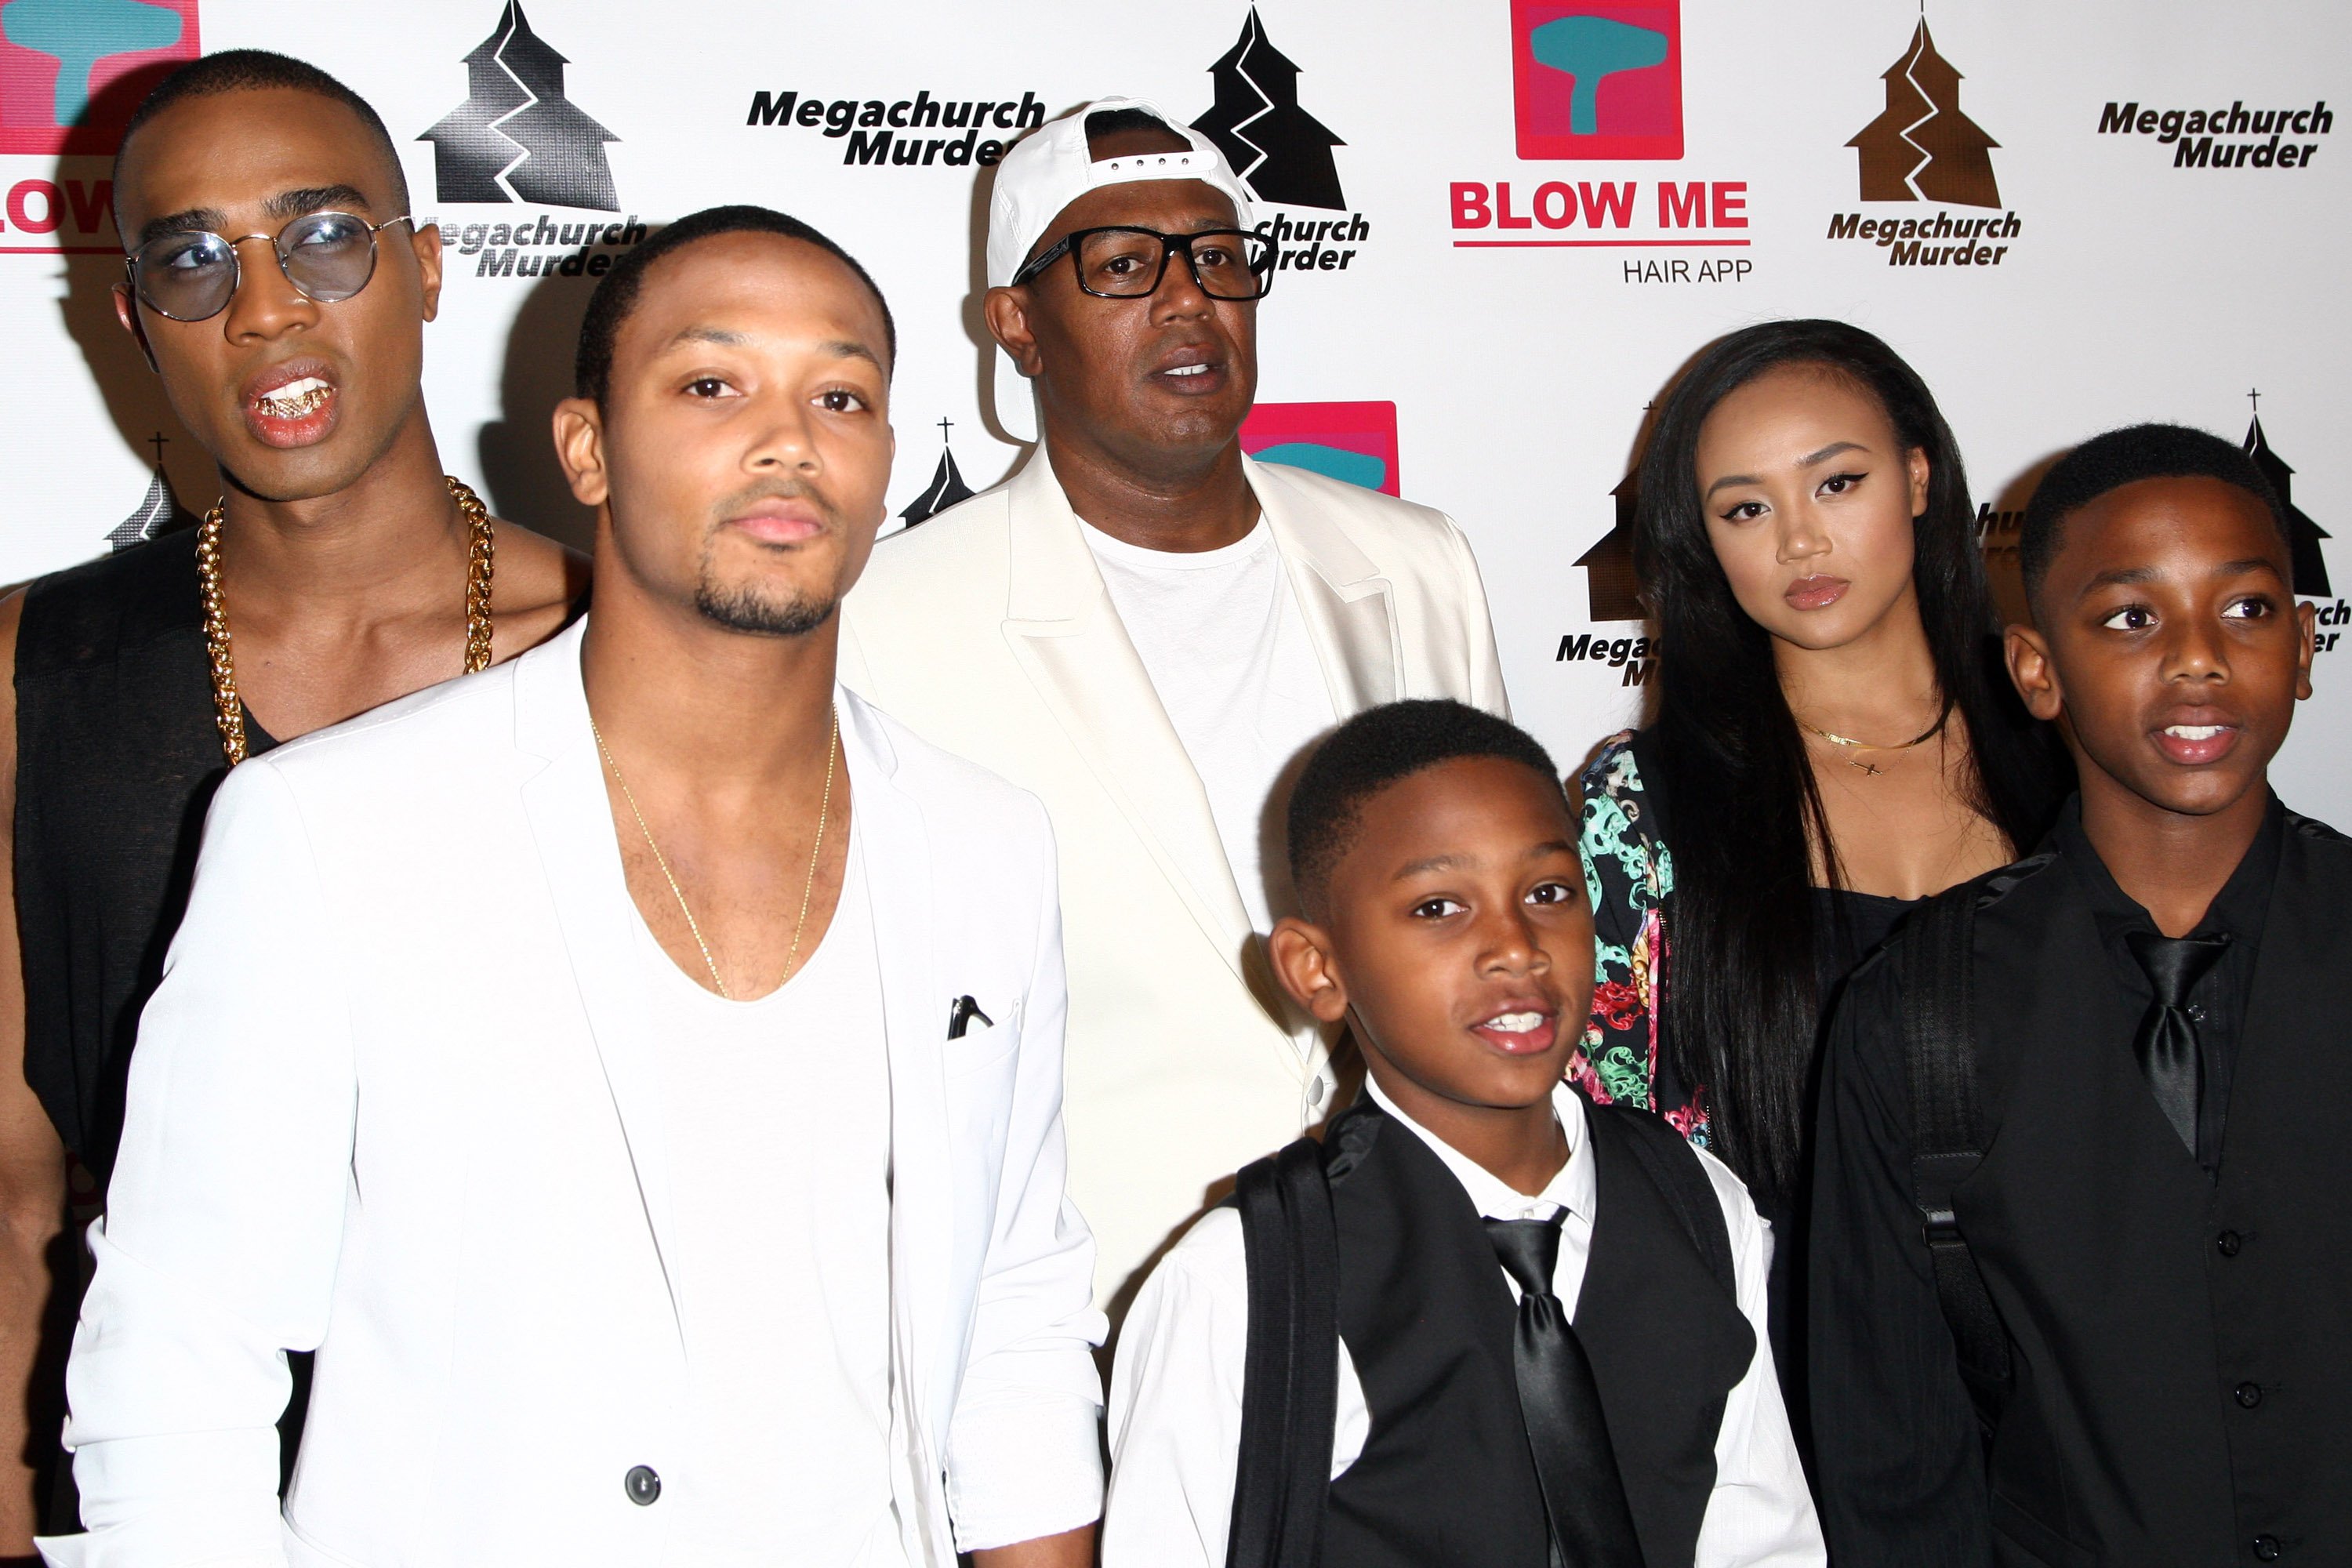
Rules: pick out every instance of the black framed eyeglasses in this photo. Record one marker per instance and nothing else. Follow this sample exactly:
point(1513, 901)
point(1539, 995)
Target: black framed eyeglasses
point(1124, 263)
point(193, 276)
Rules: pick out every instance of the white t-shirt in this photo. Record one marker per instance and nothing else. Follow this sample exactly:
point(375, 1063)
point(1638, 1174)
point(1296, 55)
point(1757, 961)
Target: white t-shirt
point(777, 1114)
point(1221, 635)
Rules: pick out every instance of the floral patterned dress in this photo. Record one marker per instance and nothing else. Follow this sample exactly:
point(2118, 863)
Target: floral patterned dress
point(1629, 875)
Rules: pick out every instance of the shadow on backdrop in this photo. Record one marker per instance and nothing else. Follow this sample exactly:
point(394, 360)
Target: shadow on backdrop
point(520, 477)
point(133, 394)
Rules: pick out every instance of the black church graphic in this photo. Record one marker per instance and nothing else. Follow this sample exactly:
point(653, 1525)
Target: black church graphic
point(1282, 153)
point(1921, 148)
point(1611, 586)
point(2302, 535)
point(517, 138)
point(946, 488)
point(159, 510)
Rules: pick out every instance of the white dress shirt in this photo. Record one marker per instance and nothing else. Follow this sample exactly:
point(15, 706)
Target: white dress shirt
point(777, 1114)
point(1176, 1391)
point(1221, 635)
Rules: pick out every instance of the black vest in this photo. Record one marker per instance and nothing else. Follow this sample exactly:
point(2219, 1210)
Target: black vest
point(1445, 1476)
point(2183, 1345)
point(117, 757)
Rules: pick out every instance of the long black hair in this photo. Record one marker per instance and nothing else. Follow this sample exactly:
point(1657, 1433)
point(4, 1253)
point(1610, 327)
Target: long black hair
point(1741, 1010)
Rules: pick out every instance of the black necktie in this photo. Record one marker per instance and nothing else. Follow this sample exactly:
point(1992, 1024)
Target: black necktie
point(1592, 1525)
point(2167, 1042)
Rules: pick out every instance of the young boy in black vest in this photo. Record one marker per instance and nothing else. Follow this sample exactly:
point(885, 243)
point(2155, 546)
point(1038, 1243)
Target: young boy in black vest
point(2082, 1270)
point(1482, 1321)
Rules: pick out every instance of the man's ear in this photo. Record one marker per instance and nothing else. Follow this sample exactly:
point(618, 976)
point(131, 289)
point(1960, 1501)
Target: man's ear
point(2034, 673)
point(126, 310)
point(580, 447)
point(2306, 639)
point(1305, 963)
point(1006, 311)
point(427, 242)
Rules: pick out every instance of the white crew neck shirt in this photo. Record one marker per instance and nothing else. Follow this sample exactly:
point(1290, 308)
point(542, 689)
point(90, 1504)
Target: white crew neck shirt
point(777, 1114)
point(1221, 637)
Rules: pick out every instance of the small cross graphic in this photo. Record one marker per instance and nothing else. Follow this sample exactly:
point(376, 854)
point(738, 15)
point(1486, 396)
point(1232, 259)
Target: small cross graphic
point(1868, 767)
point(2257, 399)
point(158, 441)
point(944, 430)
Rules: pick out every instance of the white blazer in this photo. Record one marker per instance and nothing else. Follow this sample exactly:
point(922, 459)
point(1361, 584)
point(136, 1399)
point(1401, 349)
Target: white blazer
point(987, 631)
point(397, 1099)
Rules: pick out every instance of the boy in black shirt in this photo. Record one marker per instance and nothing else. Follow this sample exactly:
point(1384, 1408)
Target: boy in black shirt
point(2095, 1101)
point(1546, 1316)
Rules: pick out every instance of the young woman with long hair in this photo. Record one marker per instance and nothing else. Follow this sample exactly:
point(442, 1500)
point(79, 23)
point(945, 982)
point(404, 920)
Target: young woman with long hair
point(1834, 740)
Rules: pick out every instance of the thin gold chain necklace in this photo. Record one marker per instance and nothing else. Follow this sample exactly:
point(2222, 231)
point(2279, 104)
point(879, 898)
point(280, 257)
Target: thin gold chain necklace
point(808, 885)
point(1864, 763)
point(228, 708)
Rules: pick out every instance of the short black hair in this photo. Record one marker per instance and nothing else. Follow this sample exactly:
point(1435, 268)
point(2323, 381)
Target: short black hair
point(1374, 749)
point(1112, 121)
point(616, 293)
point(2125, 457)
point(258, 71)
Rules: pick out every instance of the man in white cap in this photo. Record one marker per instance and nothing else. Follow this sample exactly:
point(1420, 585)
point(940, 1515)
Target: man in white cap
point(1147, 628)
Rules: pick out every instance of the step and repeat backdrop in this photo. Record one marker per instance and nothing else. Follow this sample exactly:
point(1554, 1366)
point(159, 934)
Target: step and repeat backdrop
point(1503, 224)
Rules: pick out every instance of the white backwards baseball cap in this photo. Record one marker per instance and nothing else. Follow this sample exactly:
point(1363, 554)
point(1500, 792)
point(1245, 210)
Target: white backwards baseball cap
point(1050, 168)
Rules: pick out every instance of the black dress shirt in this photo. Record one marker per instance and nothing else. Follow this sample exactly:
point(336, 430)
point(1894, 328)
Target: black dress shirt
point(2125, 1273)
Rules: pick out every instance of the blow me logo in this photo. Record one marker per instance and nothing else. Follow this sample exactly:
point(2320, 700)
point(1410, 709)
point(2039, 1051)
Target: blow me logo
point(1598, 79)
point(517, 138)
point(1353, 442)
point(59, 59)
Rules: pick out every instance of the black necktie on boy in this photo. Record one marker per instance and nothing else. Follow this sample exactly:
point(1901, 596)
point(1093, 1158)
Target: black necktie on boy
point(2167, 1043)
point(1584, 1497)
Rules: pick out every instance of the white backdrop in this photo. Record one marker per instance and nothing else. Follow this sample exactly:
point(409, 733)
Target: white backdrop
point(2125, 286)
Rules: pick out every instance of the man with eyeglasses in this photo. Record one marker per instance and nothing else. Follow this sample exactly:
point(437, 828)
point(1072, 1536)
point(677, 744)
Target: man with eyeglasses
point(278, 287)
point(1146, 627)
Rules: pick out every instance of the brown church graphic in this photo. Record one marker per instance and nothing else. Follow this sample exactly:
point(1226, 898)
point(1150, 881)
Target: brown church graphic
point(1612, 587)
point(1922, 147)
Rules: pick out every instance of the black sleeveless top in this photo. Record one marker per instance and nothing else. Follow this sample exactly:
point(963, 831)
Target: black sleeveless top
point(118, 754)
point(1446, 1477)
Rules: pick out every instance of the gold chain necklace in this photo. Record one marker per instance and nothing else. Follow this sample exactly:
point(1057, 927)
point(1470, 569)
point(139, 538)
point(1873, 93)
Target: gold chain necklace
point(228, 709)
point(808, 885)
point(1864, 763)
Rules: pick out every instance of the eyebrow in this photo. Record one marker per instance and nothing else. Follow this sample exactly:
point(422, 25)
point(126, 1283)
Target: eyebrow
point(291, 203)
point(1825, 455)
point(1452, 862)
point(2128, 576)
point(839, 348)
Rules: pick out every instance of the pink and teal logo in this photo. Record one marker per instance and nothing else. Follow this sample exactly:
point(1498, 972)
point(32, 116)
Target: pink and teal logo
point(1598, 79)
point(1352, 442)
point(72, 70)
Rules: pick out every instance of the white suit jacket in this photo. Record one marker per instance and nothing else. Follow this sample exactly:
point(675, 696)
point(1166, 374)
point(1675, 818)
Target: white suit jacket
point(987, 631)
point(397, 1099)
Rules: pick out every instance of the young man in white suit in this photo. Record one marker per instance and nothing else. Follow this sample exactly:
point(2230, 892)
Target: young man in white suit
point(636, 1070)
point(1146, 627)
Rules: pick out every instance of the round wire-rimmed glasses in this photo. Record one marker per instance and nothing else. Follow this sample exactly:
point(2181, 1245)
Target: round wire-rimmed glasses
point(193, 275)
point(1127, 263)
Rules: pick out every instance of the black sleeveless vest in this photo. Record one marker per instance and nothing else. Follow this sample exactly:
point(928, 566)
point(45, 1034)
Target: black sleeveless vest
point(117, 757)
point(1446, 1477)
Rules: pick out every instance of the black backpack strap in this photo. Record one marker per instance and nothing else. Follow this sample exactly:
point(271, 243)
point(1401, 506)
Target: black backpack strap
point(1674, 1169)
point(1290, 1377)
point(1937, 959)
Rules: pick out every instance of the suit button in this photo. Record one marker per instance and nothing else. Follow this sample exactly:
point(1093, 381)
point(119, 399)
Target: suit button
point(2248, 1394)
point(2229, 1241)
point(2267, 1548)
point(641, 1485)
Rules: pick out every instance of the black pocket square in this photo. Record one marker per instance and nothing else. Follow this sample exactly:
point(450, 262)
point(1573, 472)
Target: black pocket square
point(961, 1013)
